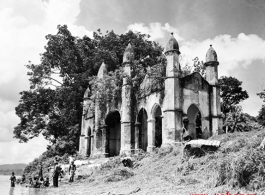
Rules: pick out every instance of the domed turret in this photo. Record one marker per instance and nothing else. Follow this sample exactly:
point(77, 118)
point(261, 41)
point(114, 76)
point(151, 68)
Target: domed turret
point(172, 45)
point(128, 55)
point(211, 55)
point(102, 70)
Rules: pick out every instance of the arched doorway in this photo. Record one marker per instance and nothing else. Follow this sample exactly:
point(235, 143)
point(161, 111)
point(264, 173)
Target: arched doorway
point(195, 121)
point(113, 133)
point(142, 119)
point(157, 114)
point(88, 141)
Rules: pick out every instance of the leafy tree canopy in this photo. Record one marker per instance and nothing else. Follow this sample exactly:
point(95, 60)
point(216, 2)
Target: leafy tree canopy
point(231, 93)
point(53, 104)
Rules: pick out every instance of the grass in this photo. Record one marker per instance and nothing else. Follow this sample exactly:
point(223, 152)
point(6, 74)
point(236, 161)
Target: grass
point(237, 166)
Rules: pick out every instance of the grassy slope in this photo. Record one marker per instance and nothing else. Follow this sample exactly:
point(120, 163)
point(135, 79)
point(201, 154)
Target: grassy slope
point(237, 166)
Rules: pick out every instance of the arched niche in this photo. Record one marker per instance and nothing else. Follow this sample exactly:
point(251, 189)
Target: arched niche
point(157, 119)
point(195, 121)
point(113, 133)
point(142, 120)
point(88, 141)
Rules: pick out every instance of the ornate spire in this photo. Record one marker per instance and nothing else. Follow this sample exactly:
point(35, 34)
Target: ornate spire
point(211, 55)
point(128, 55)
point(172, 44)
point(102, 70)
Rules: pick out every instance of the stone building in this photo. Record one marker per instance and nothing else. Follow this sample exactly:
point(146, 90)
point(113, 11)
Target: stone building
point(156, 123)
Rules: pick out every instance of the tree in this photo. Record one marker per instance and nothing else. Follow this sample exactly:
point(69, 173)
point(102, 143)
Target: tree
point(53, 104)
point(198, 66)
point(236, 120)
point(231, 93)
point(261, 116)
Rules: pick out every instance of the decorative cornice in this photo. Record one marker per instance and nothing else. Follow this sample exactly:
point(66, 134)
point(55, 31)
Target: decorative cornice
point(217, 116)
point(170, 52)
point(211, 63)
point(125, 122)
point(175, 110)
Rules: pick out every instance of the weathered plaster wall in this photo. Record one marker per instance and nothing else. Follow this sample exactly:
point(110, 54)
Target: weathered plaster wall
point(196, 92)
point(150, 104)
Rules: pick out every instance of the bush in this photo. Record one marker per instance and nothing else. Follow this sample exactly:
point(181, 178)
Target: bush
point(119, 175)
point(245, 170)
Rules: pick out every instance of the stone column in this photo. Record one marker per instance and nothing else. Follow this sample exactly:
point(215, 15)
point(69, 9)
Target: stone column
point(81, 145)
point(179, 125)
point(126, 138)
point(126, 124)
point(217, 121)
point(173, 95)
point(206, 126)
point(136, 135)
point(87, 145)
point(92, 144)
point(104, 140)
point(151, 135)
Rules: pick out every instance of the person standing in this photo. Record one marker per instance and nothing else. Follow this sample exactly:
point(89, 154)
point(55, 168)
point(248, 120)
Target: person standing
point(56, 173)
point(41, 172)
point(13, 179)
point(72, 169)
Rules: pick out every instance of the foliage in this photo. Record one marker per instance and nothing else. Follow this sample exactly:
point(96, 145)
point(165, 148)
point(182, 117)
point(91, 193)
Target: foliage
point(197, 66)
point(231, 93)
point(47, 159)
point(118, 175)
point(261, 116)
point(236, 120)
point(243, 170)
point(262, 95)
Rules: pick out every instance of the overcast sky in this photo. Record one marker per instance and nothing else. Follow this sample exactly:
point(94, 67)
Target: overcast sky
point(235, 28)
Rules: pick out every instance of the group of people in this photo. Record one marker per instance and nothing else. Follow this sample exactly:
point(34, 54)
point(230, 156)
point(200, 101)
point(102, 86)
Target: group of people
point(58, 172)
point(39, 181)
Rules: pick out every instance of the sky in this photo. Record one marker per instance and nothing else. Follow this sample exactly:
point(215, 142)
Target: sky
point(235, 28)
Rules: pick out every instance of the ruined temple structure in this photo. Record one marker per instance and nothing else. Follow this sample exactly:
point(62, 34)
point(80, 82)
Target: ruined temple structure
point(152, 123)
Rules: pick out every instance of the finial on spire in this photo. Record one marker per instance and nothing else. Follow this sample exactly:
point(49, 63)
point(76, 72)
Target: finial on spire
point(211, 55)
point(172, 44)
